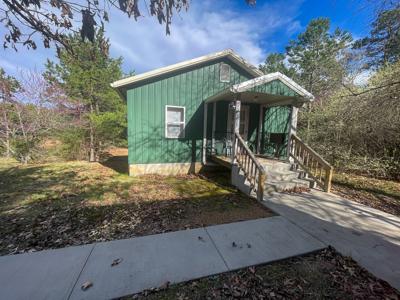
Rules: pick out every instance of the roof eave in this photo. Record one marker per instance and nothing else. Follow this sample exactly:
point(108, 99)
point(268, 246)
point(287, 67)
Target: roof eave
point(246, 85)
point(189, 63)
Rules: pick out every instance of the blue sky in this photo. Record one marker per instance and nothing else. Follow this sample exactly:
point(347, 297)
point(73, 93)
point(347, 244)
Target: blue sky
point(207, 27)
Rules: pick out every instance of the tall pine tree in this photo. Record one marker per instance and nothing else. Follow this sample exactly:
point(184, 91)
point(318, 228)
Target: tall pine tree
point(382, 46)
point(275, 62)
point(85, 74)
point(315, 55)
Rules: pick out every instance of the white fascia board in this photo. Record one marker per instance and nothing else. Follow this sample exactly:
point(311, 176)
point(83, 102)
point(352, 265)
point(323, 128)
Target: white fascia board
point(246, 65)
point(244, 86)
point(188, 63)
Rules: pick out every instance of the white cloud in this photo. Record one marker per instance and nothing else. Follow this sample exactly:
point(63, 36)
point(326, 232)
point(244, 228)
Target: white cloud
point(8, 66)
point(207, 27)
point(14, 62)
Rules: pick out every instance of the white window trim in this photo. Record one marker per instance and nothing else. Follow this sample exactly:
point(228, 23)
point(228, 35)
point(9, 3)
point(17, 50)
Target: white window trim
point(182, 135)
point(220, 73)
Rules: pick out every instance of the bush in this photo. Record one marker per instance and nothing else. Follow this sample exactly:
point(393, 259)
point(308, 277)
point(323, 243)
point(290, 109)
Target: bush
point(73, 145)
point(360, 132)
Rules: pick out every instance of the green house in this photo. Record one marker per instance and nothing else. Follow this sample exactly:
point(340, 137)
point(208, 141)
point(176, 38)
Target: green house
point(184, 116)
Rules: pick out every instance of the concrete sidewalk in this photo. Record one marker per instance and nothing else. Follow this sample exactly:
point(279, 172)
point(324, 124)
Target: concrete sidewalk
point(150, 261)
point(369, 236)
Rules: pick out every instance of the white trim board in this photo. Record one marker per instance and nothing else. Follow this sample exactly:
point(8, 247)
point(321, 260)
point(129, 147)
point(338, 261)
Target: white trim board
point(189, 63)
point(246, 85)
point(182, 135)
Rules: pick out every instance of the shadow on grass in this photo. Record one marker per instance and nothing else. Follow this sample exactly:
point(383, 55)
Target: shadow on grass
point(46, 225)
point(373, 190)
point(117, 163)
point(46, 207)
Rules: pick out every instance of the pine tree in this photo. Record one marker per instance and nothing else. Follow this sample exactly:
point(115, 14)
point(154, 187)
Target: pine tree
point(85, 75)
point(275, 62)
point(315, 55)
point(8, 86)
point(383, 44)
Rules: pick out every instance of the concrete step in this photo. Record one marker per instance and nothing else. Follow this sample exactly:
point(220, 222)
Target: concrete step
point(275, 165)
point(280, 176)
point(283, 185)
point(273, 175)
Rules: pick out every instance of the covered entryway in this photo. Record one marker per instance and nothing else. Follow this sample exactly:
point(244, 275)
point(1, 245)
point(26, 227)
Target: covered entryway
point(258, 118)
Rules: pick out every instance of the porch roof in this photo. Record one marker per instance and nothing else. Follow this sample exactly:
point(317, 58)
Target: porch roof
point(273, 88)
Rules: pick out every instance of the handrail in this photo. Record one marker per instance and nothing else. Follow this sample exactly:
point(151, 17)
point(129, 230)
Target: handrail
point(315, 166)
point(252, 169)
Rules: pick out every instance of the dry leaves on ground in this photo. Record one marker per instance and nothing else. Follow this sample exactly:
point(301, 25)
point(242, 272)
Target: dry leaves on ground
point(325, 274)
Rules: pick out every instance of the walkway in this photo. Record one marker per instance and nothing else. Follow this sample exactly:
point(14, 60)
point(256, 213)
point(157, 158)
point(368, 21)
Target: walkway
point(150, 261)
point(369, 236)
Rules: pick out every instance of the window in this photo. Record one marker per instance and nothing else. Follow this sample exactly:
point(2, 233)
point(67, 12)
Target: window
point(174, 122)
point(224, 73)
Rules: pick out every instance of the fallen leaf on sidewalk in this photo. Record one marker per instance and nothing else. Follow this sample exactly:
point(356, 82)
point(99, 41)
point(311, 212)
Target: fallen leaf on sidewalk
point(116, 262)
point(86, 285)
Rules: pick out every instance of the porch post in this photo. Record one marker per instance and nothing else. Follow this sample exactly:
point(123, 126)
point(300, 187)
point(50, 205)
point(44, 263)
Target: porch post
point(292, 128)
point(236, 124)
point(213, 127)
point(260, 123)
point(204, 152)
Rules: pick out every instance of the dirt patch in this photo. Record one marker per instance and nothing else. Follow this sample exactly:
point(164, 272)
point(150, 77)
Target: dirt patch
point(61, 204)
point(322, 275)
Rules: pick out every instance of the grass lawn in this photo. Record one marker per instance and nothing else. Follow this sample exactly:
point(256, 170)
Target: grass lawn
point(72, 203)
point(322, 275)
point(377, 193)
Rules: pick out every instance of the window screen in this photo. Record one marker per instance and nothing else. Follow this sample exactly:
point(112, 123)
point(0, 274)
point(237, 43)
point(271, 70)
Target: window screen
point(224, 73)
point(174, 122)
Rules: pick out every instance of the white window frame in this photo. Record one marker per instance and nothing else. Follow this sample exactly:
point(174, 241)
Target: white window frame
point(182, 135)
point(220, 72)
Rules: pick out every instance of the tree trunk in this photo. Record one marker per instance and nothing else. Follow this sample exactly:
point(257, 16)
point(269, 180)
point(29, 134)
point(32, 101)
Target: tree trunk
point(8, 147)
point(25, 159)
point(8, 151)
point(92, 150)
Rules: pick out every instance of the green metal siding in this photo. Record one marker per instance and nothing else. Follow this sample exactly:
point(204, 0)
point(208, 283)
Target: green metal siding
point(276, 120)
point(254, 116)
point(275, 87)
point(146, 113)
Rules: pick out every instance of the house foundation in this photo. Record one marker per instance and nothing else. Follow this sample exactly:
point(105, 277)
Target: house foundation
point(165, 168)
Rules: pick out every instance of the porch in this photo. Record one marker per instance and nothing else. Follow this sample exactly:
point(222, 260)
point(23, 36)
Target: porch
point(257, 120)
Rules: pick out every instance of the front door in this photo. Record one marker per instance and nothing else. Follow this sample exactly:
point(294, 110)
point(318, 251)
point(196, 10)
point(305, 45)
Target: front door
point(244, 122)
